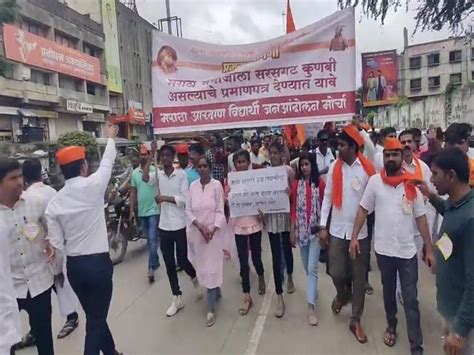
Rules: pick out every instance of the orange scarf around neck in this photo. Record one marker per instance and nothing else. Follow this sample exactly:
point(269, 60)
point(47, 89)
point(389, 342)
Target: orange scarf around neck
point(394, 181)
point(337, 178)
point(418, 172)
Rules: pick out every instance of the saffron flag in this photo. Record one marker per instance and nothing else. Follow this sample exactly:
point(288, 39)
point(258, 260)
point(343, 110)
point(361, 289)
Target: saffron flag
point(294, 134)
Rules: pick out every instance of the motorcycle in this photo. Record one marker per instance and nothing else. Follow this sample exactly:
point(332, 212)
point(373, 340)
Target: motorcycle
point(119, 229)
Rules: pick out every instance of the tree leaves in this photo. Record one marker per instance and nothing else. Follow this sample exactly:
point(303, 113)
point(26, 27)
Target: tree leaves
point(430, 14)
point(82, 139)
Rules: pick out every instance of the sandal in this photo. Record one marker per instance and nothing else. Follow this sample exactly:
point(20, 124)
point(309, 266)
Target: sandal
point(336, 305)
point(246, 306)
point(390, 337)
point(211, 319)
point(68, 328)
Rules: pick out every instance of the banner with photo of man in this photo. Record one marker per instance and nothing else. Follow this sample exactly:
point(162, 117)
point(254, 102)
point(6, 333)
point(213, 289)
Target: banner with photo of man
point(302, 77)
point(380, 78)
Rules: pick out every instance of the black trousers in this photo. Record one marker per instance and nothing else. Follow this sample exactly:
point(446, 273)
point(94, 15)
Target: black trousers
point(90, 277)
point(168, 240)
point(276, 240)
point(408, 271)
point(255, 242)
point(39, 311)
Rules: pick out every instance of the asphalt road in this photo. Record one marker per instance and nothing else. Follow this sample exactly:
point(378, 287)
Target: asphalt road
point(140, 326)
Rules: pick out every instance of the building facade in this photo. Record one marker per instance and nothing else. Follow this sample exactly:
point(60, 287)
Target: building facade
point(55, 78)
point(135, 41)
point(436, 85)
point(427, 69)
point(128, 45)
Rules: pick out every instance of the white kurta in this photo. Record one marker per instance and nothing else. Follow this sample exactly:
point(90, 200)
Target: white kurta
point(10, 332)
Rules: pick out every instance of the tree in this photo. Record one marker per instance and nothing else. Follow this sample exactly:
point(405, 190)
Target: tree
point(82, 139)
point(8, 11)
point(430, 14)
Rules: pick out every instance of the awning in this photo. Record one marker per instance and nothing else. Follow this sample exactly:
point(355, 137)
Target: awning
point(37, 113)
point(94, 117)
point(133, 117)
point(27, 113)
point(6, 110)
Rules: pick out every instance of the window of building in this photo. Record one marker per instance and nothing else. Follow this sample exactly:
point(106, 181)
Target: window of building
point(434, 82)
point(433, 59)
point(455, 56)
point(455, 79)
point(415, 84)
point(78, 85)
point(65, 40)
point(472, 53)
point(34, 28)
point(91, 89)
point(40, 77)
point(91, 50)
point(415, 62)
point(472, 75)
point(70, 83)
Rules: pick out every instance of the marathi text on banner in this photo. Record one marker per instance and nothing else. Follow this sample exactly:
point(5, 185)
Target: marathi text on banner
point(305, 76)
point(260, 189)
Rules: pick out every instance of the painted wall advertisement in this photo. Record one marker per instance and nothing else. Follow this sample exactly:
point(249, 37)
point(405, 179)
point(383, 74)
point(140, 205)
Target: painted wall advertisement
point(27, 48)
point(380, 78)
point(302, 77)
point(112, 56)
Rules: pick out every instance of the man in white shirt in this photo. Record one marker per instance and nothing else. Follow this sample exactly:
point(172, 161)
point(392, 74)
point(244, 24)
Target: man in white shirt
point(172, 191)
point(23, 225)
point(76, 223)
point(67, 299)
point(400, 211)
point(9, 314)
point(387, 132)
point(324, 156)
point(422, 172)
point(257, 159)
point(346, 182)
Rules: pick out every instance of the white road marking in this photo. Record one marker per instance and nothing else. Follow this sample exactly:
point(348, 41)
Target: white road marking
point(262, 317)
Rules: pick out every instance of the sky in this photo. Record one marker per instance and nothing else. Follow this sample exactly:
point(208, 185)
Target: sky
point(249, 21)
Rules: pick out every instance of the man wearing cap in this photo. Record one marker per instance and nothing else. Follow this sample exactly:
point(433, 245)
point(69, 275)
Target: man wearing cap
point(346, 182)
point(401, 214)
point(22, 233)
point(76, 223)
point(143, 195)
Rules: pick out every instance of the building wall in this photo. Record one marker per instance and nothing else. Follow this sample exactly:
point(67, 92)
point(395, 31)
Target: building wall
point(443, 70)
point(135, 35)
point(38, 89)
point(432, 110)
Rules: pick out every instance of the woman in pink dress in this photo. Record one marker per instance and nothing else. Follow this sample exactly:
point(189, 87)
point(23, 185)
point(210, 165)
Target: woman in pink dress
point(205, 226)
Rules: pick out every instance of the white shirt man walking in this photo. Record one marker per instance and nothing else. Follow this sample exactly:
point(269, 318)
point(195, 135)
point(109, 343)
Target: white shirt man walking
point(400, 211)
point(75, 215)
point(22, 224)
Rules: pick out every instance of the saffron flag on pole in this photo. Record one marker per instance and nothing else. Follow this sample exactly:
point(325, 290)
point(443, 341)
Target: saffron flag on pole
point(294, 134)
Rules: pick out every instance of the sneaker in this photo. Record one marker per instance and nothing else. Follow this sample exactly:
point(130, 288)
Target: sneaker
point(151, 276)
point(197, 288)
point(176, 305)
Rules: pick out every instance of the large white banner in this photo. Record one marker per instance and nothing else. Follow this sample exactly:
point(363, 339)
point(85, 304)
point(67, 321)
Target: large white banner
point(259, 189)
point(305, 76)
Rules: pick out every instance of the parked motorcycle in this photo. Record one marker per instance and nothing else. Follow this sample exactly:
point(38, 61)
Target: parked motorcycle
point(119, 229)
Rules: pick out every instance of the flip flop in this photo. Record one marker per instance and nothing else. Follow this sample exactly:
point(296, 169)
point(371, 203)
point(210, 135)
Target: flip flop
point(390, 337)
point(244, 310)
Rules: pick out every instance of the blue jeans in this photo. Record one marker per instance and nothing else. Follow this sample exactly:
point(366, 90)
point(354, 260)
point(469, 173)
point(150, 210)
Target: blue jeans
point(149, 226)
point(310, 257)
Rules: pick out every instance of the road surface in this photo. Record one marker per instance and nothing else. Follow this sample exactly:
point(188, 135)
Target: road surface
point(140, 326)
